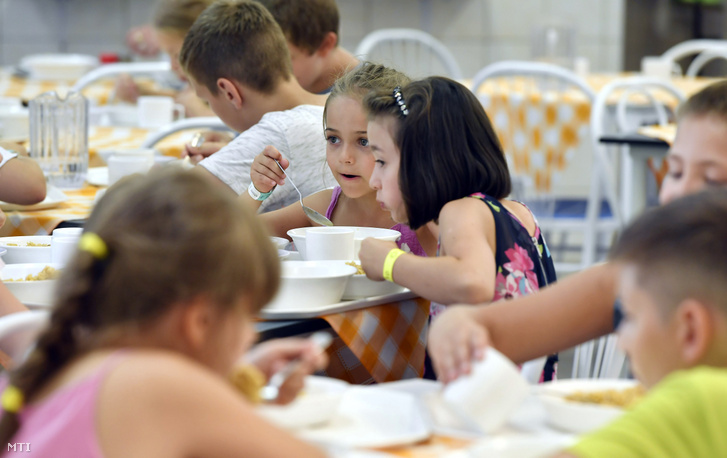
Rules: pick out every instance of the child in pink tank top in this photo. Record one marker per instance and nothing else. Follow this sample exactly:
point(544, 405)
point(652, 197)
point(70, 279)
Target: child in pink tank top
point(150, 317)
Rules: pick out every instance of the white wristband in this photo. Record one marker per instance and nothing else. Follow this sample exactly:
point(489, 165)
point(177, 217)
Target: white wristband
point(257, 195)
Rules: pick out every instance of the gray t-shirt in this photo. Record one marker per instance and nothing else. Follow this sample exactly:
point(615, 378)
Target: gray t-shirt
point(298, 135)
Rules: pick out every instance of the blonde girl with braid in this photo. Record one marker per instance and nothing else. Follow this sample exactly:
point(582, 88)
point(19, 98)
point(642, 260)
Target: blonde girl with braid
point(149, 318)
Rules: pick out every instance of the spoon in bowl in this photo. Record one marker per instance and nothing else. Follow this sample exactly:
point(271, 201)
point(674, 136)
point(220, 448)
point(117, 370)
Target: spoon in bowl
point(309, 212)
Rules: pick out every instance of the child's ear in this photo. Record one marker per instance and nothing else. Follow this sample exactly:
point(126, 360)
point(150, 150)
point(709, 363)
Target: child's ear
point(231, 91)
point(328, 44)
point(197, 321)
point(695, 331)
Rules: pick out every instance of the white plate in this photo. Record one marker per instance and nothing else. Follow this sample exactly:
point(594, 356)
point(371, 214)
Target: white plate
point(53, 198)
point(57, 66)
point(370, 417)
point(344, 306)
point(98, 176)
point(314, 406)
point(580, 417)
point(522, 446)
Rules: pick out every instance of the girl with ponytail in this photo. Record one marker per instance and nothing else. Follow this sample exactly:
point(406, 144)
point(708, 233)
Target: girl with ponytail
point(151, 315)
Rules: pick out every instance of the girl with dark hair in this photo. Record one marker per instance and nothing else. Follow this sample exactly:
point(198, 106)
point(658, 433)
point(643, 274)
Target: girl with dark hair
point(439, 164)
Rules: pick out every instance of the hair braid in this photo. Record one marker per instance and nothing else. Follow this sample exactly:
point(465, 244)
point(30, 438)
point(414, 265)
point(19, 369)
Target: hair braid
point(56, 345)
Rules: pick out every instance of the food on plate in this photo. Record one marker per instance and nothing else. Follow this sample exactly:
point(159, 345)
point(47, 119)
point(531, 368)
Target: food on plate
point(359, 269)
point(48, 273)
point(617, 398)
point(30, 244)
point(249, 381)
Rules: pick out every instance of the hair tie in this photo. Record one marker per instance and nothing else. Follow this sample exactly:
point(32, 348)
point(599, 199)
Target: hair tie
point(93, 244)
point(12, 399)
point(400, 100)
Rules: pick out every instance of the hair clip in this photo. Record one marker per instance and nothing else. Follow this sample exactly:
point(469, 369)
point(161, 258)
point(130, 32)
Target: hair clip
point(12, 399)
point(400, 100)
point(93, 244)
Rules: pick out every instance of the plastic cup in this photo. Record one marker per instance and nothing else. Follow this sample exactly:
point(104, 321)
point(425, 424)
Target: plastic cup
point(329, 243)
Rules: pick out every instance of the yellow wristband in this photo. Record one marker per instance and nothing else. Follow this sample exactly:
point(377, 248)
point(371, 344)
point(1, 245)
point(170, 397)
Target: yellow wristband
point(389, 263)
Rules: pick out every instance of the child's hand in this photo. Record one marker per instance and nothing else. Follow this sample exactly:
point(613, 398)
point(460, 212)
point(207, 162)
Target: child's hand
point(265, 173)
point(372, 254)
point(125, 89)
point(272, 355)
point(455, 340)
point(210, 142)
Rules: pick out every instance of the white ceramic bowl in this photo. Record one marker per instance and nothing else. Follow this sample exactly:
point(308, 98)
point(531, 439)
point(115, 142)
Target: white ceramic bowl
point(33, 293)
point(307, 284)
point(279, 242)
point(58, 66)
point(359, 286)
point(19, 252)
point(360, 233)
point(580, 417)
point(14, 124)
point(315, 405)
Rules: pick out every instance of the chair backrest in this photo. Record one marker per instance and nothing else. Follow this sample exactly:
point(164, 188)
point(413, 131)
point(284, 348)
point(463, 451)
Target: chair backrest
point(116, 69)
point(410, 50)
point(202, 122)
point(690, 47)
point(600, 358)
point(539, 111)
point(18, 332)
point(703, 59)
point(624, 105)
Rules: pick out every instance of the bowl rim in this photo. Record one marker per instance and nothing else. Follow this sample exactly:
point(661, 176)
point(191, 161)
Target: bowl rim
point(391, 232)
point(348, 271)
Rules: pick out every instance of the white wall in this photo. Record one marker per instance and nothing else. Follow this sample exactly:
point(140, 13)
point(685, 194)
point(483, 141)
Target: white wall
point(477, 31)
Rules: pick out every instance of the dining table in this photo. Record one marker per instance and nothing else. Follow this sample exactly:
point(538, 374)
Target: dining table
point(76, 204)
point(541, 130)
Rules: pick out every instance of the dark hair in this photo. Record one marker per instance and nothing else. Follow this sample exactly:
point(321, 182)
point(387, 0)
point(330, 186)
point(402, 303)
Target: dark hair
point(448, 147)
point(305, 23)
point(171, 236)
point(178, 15)
point(359, 81)
point(680, 250)
point(239, 41)
point(712, 100)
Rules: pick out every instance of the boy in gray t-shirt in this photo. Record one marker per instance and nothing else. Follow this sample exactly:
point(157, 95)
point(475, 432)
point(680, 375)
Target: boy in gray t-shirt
point(237, 61)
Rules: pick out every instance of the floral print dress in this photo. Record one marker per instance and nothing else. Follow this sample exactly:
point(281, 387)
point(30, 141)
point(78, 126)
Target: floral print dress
point(523, 262)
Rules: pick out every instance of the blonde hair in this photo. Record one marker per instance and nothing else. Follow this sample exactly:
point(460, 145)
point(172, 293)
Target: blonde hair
point(710, 101)
point(239, 41)
point(177, 16)
point(169, 237)
point(366, 77)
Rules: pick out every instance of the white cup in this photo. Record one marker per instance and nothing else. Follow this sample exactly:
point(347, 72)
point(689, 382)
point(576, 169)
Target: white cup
point(329, 243)
point(490, 393)
point(156, 111)
point(14, 122)
point(581, 66)
point(67, 232)
point(62, 249)
point(129, 162)
point(656, 67)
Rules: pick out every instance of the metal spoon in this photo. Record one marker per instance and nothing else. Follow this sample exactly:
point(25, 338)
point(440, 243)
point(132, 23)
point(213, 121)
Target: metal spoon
point(309, 212)
point(270, 391)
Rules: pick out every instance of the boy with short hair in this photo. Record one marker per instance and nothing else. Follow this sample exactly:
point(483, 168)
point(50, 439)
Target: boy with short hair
point(673, 285)
point(237, 61)
point(311, 28)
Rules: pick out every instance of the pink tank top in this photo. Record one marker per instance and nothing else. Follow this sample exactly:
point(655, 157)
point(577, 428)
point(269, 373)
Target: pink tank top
point(64, 424)
point(408, 240)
